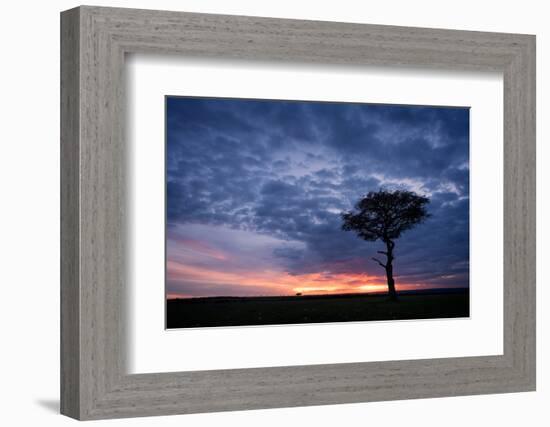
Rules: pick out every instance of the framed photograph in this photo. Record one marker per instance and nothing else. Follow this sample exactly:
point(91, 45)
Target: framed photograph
point(262, 213)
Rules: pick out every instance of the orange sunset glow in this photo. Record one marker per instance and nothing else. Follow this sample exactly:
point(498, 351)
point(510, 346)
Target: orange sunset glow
point(280, 283)
point(202, 265)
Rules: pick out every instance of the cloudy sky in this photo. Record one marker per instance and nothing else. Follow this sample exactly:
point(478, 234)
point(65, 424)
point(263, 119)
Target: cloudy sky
point(255, 189)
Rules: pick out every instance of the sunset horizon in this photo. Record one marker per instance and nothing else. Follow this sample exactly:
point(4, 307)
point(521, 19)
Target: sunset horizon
point(277, 283)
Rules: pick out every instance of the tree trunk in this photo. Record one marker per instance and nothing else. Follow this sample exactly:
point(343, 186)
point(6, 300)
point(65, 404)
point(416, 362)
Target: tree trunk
point(389, 271)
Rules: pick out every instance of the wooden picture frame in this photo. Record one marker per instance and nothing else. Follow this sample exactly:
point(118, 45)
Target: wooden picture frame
point(94, 382)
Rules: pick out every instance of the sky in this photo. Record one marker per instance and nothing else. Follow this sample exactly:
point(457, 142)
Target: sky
point(255, 189)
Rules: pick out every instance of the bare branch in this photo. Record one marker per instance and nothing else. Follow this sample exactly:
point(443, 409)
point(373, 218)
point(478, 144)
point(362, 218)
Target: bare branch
point(379, 262)
point(382, 252)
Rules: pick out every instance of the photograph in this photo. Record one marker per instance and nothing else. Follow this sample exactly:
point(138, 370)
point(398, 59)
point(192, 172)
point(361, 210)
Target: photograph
point(272, 214)
point(293, 212)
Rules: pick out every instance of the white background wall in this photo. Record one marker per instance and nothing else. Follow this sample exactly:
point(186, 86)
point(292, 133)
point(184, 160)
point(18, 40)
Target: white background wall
point(29, 214)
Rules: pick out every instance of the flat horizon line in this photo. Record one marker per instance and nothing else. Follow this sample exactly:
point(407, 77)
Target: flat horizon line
point(344, 294)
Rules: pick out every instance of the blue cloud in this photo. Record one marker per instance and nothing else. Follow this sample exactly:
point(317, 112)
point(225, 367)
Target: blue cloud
point(287, 169)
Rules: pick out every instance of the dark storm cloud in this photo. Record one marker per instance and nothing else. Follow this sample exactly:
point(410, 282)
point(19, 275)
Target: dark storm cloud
point(287, 169)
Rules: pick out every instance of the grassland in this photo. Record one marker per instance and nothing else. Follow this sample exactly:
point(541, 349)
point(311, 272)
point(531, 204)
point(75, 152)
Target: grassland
point(239, 311)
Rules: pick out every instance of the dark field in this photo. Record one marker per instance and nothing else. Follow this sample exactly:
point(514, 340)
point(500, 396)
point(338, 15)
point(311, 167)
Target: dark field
point(240, 311)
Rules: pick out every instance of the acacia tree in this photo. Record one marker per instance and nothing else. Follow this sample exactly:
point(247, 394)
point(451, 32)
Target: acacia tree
point(385, 215)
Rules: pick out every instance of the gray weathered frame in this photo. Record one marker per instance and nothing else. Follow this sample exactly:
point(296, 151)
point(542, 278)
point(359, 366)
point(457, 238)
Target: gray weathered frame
point(94, 41)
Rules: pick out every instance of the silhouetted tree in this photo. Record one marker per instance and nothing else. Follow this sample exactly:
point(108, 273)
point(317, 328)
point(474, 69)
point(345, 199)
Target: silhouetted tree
point(385, 215)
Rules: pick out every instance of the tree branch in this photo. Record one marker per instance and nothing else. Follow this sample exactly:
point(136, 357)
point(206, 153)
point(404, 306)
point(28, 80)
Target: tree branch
point(379, 262)
point(382, 252)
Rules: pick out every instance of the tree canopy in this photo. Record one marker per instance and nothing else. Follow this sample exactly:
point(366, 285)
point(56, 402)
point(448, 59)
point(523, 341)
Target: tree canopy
point(385, 215)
